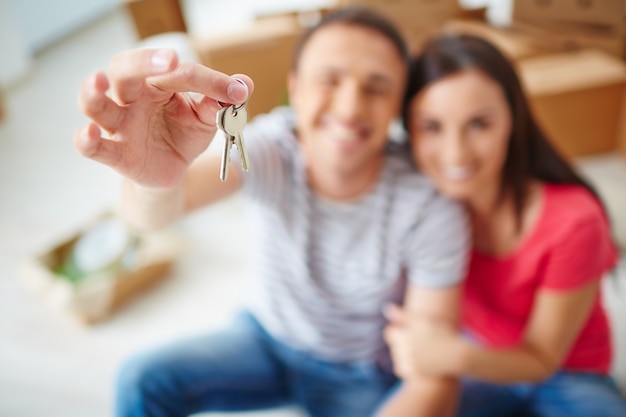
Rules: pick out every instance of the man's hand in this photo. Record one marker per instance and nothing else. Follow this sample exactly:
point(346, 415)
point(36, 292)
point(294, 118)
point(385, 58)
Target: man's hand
point(420, 345)
point(155, 129)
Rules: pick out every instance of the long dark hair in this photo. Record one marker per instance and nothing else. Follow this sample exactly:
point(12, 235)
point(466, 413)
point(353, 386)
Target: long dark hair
point(530, 154)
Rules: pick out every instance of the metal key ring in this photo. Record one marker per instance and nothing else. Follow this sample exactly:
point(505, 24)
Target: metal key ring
point(239, 106)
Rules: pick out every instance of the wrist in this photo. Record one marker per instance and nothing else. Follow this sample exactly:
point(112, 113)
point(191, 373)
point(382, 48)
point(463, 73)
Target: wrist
point(148, 208)
point(460, 353)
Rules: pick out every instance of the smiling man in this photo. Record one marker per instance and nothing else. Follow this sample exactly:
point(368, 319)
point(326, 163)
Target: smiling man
point(344, 227)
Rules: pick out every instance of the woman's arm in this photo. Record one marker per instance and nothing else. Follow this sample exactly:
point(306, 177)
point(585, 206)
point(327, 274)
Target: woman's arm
point(436, 348)
point(555, 322)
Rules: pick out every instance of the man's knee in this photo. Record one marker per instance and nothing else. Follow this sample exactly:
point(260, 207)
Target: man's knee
point(142, 376)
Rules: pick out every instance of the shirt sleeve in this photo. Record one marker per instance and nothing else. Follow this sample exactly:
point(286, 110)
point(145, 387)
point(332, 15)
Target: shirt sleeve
point(267, 140)
point(438, 250)
point(584, 254)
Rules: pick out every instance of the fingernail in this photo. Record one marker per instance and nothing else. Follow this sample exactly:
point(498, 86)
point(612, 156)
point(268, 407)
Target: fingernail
point(161, 59)
point(238, 91)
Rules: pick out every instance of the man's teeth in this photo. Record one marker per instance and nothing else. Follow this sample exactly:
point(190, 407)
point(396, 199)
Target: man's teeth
point(457, 173)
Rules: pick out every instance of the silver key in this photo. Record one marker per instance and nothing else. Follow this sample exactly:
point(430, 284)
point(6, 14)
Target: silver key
point(228, 143)
point(233, 122)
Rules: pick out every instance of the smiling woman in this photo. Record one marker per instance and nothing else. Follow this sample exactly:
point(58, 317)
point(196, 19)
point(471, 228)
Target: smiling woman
point(536, 337)
point(463, 143)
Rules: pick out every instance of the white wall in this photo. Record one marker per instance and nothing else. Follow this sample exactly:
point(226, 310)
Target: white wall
point(42, 22)
point(28, 26)
point(16, 58)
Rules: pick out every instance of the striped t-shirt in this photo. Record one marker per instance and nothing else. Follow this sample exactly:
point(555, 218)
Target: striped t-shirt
point(323, 270)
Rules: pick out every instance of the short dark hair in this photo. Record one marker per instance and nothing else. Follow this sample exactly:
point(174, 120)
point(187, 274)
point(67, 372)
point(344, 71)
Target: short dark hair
point(530, 154)
point(355, 16)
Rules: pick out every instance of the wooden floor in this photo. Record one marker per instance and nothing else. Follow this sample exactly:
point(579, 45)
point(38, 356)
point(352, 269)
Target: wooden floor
point(50, 366)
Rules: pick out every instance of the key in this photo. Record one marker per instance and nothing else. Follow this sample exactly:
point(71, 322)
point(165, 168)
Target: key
point(228, 143)
point(233, 121)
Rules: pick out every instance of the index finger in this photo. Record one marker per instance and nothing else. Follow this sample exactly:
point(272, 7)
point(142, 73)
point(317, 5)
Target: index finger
point(128, 71)
point(194, 77)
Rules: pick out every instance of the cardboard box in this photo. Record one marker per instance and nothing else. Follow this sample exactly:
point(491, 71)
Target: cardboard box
point(421, 12)
point(624, 38)
point(571, 37)
point(97, 296)
point(577, 99)
point(411, 16)
point(263, 51)
point(513, 43)
point(417, 37)
point(621, 139)
point(302, 17)
point(608, 13)
point(152, 17)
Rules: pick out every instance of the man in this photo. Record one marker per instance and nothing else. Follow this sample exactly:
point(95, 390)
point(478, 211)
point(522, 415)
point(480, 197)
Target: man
point(343, 226)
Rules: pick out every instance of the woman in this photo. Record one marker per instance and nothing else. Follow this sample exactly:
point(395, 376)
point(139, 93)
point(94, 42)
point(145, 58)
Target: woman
point(536, 340)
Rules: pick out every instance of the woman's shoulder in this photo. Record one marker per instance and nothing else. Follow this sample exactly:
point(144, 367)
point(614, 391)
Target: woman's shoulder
point(577, 199)
point(577, 234)
point(569, 208)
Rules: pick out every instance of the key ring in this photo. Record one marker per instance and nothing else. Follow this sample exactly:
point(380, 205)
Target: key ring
point(239, 106)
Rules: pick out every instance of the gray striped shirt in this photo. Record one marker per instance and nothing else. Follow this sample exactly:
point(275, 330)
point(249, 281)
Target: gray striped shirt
point(324, 270)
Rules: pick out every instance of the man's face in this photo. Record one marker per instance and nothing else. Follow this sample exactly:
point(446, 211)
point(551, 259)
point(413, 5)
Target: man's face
point(347, 88)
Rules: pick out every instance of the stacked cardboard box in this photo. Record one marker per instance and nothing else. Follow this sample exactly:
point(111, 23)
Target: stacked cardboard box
point(262, 51)
point(417, 19)
point(152, 17)
point(573, 25)
point(515, 44)
point(600, 13)
point(578, 99)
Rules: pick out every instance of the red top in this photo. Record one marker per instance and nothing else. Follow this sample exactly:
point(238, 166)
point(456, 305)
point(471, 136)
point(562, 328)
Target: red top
point(569, 246)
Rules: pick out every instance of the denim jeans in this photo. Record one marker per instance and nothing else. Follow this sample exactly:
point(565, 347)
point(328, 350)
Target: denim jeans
point(244, 368)
point(566, 394)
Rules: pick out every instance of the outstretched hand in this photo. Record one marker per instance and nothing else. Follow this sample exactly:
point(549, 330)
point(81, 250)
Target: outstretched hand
point(154, 128)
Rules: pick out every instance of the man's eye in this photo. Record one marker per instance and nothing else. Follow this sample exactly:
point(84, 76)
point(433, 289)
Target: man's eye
point(329, 81)
point(376, 90)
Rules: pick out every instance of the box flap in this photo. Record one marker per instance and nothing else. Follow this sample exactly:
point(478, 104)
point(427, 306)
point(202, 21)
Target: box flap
point(564, 72)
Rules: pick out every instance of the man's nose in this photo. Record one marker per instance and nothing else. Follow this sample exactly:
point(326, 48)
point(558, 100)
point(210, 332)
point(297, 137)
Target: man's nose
point(349, 102)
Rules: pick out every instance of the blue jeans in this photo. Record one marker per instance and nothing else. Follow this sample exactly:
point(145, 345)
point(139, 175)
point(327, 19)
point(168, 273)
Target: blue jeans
point(566, 394)
point(244, 368)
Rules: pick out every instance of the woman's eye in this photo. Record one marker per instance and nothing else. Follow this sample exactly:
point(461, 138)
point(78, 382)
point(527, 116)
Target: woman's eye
point(429, 127)
point(478, 124)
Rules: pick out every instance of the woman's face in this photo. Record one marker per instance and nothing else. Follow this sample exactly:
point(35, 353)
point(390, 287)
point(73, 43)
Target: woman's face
point(460, 129)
